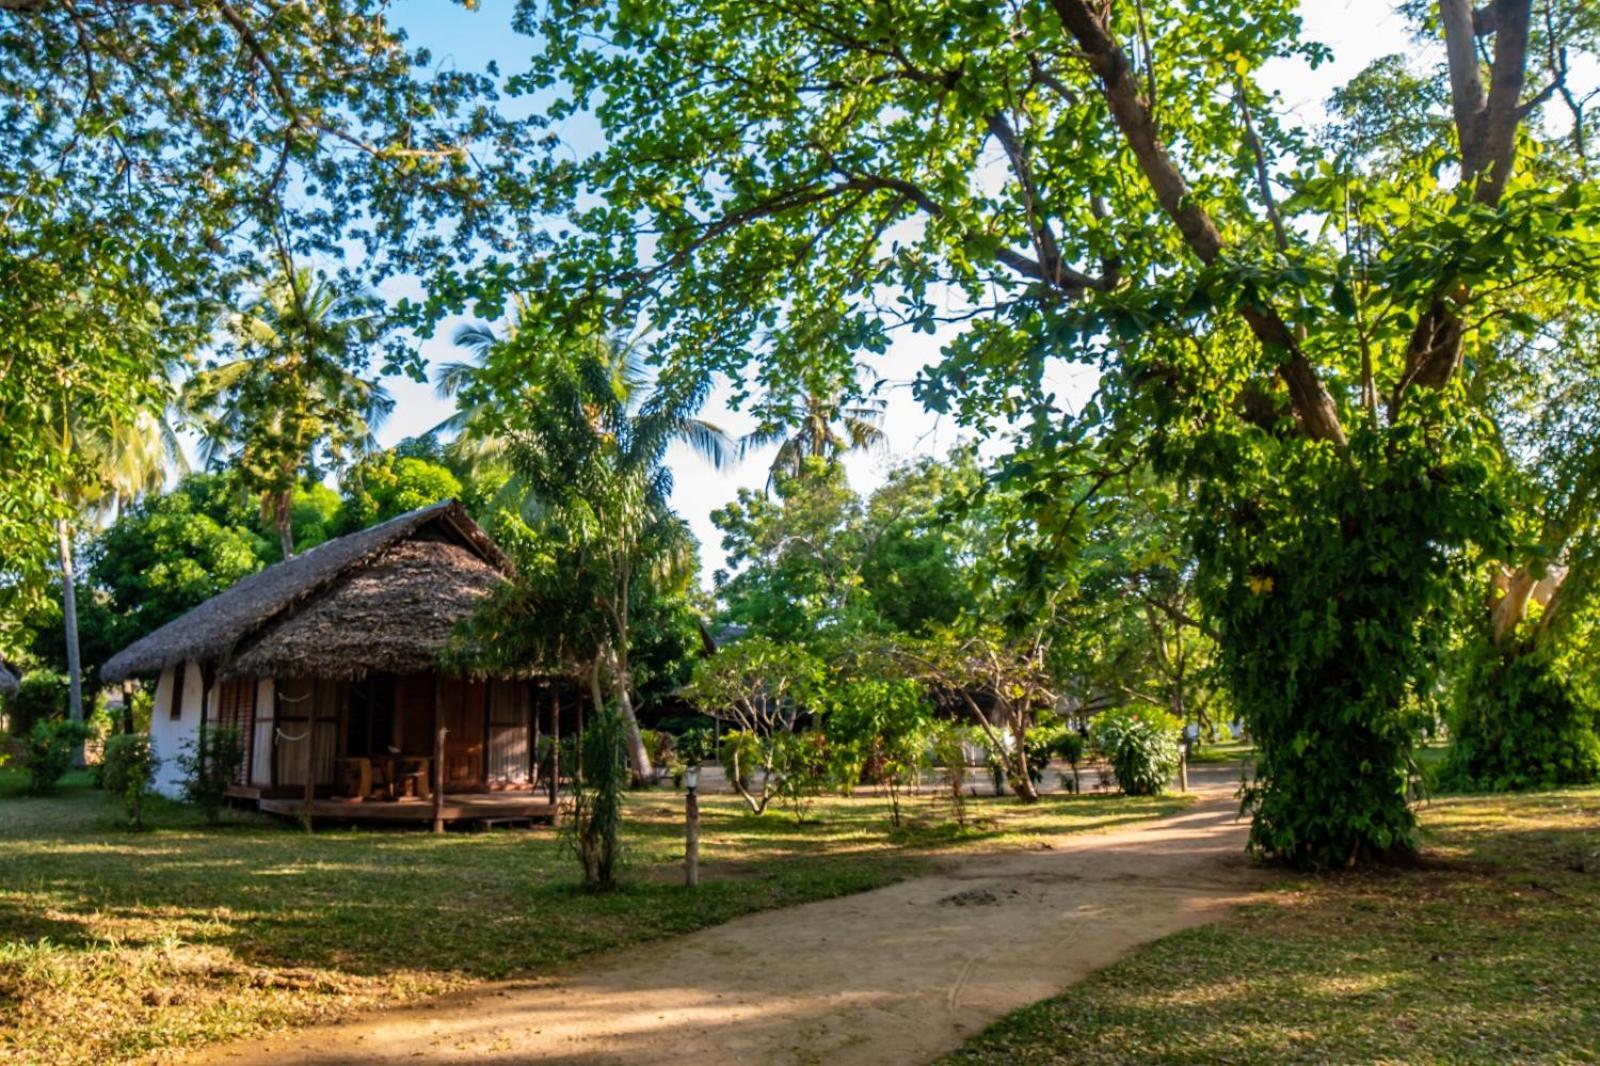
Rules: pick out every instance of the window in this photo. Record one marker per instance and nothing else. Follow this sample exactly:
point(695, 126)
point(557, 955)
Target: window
point(179, 676)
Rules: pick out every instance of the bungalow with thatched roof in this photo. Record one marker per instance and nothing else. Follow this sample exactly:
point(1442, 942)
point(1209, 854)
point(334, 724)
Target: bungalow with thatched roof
point(327, 664)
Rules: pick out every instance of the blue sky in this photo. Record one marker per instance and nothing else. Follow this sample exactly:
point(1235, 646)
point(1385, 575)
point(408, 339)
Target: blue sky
point(1358, 31)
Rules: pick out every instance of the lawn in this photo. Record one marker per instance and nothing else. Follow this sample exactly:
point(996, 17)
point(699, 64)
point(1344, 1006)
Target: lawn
point(1487, 953)
point(114, 944)
point(1222, 751)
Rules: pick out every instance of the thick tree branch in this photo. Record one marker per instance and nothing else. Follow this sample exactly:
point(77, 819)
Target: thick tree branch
point(1504, 109)
point(1486, 124)
point(1312, 403)
point(1467, 99)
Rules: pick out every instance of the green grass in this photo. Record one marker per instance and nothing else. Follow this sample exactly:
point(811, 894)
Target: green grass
point(1228, 751)
point(1487, 953)
point(115, 944)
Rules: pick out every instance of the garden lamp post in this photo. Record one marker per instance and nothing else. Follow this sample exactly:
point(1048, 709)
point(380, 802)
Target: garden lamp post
point(691, 810)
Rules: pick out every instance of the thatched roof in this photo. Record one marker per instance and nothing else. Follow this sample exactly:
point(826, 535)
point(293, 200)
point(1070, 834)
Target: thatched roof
point(393, 616)
point(392, 595)
point(8, 682)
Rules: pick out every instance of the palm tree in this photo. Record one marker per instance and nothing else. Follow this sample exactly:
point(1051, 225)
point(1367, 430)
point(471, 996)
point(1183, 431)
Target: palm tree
point(816, 423)
point(586, 434)
point(290, 402)
point(125, 457)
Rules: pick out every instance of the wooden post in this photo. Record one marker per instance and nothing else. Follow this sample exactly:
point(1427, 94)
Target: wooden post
point(1183, 766)
point(555, 745)
point(311, 752)
point(691, 844)
point(536, 728)
point(438, 756)
point(207, 673)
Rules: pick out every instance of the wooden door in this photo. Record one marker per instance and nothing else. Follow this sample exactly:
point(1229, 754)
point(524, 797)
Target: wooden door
point(465, 710)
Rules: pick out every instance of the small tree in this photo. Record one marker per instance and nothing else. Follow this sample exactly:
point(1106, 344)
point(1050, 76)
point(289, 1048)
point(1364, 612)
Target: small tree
point(800, 766)
point(209, 766)
point(1069, 746)
point(1002, 680)
point(1141, 743)
point(950, 751)
point(597, 800)
point(884, 717)
point(129, 773)
point(50, 748)
point(758, 685)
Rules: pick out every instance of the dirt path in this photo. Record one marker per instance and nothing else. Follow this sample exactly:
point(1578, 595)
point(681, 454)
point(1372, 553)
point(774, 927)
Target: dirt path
point(898, 975)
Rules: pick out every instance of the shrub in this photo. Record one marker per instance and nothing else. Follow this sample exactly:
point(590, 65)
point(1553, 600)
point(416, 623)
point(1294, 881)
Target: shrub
point(950, 752)
point(129, 772)
point(663, 747)
point(209, 767)
point(1142, 746)
point(739, 753)
point(49, 749)
point(1070, 746)
point(42, 695)
point(691, 748)
point(1517, 724)
point(597, 801)
point(1046, 741)
point(800, 761)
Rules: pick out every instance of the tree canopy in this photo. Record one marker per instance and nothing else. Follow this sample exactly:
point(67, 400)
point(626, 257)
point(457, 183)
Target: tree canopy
point(1295, 330)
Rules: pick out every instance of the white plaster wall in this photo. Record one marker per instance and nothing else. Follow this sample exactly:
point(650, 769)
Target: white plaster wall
point(167, 734)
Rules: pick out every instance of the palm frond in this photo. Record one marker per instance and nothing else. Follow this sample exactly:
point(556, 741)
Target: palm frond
point(710, 442)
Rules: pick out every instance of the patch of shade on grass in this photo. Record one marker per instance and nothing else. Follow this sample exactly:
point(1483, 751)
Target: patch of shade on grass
point(116, 944)
point(1487, 953)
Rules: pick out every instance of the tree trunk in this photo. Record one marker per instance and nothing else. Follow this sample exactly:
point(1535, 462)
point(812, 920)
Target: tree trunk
point(1021, 780)
point(69, 618)
point(284, 519)
point(127, 707)
point(1510, 609)
point(638, 753)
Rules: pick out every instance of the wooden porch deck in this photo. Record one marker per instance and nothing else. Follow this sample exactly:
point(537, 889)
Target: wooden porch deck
point(457, 807)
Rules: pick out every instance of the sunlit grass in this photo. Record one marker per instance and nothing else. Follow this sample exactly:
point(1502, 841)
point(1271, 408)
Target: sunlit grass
point(1224, 751)
point(114, 944)
point(1487, 953)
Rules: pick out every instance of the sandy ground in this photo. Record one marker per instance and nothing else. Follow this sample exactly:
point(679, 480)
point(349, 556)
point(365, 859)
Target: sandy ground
point(898, 975)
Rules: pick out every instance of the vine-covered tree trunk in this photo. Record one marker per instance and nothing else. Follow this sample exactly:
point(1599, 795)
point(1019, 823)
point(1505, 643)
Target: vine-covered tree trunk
point(1516, 722)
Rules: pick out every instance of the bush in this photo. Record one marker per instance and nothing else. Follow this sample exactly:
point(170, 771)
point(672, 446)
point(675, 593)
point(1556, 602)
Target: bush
point(209, 767)
point(1517, 725)
point(1069, 747)
point(739, 754)
point(691, 748)
point(597, 801)
point(129, 771)
point(49, 750)
point(663, 747)
point(1142, 746)
point(41, 696)
point(800, 762)
point(949, 751)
